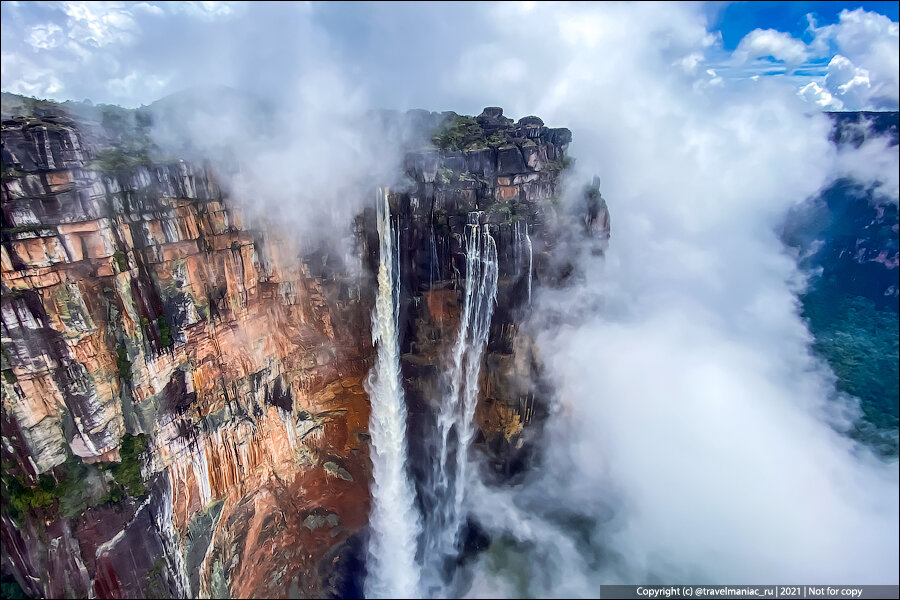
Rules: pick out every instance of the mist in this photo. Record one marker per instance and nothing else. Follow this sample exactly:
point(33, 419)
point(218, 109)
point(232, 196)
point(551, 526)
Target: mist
point(693, 417)
point(695, 436)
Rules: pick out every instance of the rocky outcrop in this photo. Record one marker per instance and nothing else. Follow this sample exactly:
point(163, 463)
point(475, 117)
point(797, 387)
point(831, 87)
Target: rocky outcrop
point(183, 402)
point(507, 178)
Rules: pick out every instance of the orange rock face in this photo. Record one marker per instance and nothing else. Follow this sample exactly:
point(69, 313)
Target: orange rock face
point(139, 305)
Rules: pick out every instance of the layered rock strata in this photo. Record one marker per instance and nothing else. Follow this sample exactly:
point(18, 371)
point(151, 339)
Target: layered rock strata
point(183, 401)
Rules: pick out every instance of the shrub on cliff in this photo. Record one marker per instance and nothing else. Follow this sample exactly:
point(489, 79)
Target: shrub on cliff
point(456, 133)
point(165, 332)
point(123, 364)
point(114, 162)
point(127, 473)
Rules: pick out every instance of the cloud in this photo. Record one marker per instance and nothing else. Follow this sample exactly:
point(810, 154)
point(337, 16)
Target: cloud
point(28, 78)
point(693, 393)
point(207, 11)
point(762, 43)
point(99, 24)
point(867, 72)
point(151, 9)
point(814, 93)
point(875, 164)
point(850, 83)
point(94, 49)
point(45, 36)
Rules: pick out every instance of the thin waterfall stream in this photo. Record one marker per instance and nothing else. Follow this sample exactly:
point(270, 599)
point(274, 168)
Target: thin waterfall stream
point(455, 419)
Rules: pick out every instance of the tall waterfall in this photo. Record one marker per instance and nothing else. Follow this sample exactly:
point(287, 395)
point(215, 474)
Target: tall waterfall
point(393, 571)
point(455, 420)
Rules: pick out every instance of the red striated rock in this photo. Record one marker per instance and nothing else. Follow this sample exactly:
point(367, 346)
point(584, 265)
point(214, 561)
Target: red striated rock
point(142, 307)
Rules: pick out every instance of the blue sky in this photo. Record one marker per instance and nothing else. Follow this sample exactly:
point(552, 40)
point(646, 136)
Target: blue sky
point(842, 55)
point(737, 19)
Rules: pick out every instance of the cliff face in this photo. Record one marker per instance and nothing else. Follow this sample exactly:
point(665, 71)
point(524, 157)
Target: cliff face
point(183, 400)
point(513, 188)
point(134, 302)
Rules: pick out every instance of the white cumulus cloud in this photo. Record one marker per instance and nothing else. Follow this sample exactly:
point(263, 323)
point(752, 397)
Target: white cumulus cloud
point(867, 74)
point(762, 43)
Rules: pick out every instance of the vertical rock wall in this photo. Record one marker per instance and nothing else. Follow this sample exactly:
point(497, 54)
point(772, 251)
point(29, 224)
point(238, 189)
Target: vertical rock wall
point(135, 302)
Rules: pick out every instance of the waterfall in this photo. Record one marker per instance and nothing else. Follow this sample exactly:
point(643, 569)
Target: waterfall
point(530, 261)
point(392, 568)
point(518, 242)
point(455, 419)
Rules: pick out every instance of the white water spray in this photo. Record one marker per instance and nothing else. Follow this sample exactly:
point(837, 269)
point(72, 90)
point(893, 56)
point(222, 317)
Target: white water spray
point(456, 416)
point(392, 568)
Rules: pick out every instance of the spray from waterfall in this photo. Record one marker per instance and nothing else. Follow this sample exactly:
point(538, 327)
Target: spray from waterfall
point(455, 419)
point(392, 568)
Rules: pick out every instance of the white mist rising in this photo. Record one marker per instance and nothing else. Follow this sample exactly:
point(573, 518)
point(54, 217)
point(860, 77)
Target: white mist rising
point(695, 437)
point(394, 520)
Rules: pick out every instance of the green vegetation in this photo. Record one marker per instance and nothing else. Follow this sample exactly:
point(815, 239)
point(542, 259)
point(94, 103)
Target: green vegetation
point(235, 246)
point(559, 165)
point(461, 133)
point(25, 229)
point(9, 588)
point(8, 376)
point(153, 583)
point(445, 175)
point(22, 499)
point(495, 139)
point(121, 260)
point(127, 473)
point(860, 343)
point(66, 493)
point(74, 497)
point(123, 364)
point(457, 133)
point(9, 172)
point(115, 161)
point(165, 332)
point(500, 208)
